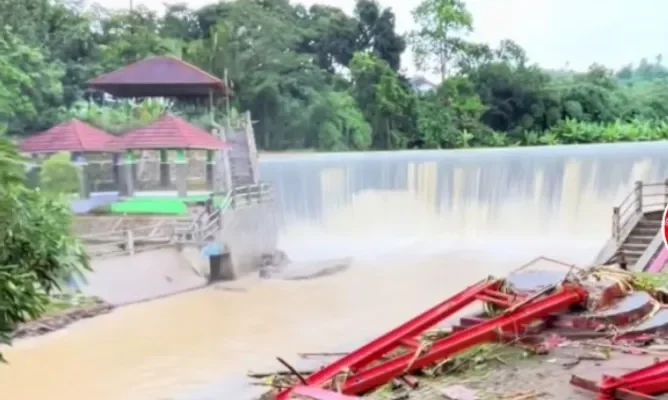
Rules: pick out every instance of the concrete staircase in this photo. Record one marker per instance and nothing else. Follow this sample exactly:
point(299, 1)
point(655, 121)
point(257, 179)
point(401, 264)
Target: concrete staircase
point(634, 246)
point(241, 167)
point(238, 166)
point(636, 226)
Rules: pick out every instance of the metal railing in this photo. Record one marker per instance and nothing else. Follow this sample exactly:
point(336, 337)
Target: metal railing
point(197, 231)
point(645, 197)
point(242, 196)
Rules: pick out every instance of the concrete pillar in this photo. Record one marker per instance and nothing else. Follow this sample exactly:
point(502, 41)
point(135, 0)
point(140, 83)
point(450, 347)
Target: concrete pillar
point(115, 168)
point(134, 168)
point(181, 172)
point(221, 268)
point(210, 167)
point(84, 179)
point(127, 184)
point(165, 179)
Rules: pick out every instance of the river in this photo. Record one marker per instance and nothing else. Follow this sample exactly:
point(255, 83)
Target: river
point(419, 224)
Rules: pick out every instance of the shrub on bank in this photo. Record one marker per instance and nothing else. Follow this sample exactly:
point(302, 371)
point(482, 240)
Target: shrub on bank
point(59, 174)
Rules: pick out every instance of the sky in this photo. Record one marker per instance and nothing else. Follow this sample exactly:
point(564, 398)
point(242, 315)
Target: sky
point(555, 33)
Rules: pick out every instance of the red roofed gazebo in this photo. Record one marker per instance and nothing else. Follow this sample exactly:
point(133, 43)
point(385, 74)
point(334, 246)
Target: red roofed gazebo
point(161, 76)
point(169, 133)
point(74, 136)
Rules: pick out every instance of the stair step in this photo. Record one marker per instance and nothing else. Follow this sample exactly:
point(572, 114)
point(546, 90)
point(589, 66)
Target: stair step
point(644, 240)
point(649, 230)
point(649, 223)
point(633, 251)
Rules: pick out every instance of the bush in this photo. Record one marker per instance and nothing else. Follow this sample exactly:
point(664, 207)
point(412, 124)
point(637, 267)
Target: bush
point(37, 249)
point(59, 174)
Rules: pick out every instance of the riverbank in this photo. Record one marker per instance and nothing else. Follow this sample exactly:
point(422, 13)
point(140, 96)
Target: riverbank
point(63, 311)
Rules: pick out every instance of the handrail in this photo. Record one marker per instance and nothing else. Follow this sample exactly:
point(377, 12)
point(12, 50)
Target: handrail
point(645, 197)
point(241, 196)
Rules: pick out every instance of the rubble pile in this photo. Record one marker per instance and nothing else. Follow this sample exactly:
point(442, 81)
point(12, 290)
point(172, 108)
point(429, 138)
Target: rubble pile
point(531, 311)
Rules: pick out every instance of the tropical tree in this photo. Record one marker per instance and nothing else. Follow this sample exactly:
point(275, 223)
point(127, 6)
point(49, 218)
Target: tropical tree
point(38, 250)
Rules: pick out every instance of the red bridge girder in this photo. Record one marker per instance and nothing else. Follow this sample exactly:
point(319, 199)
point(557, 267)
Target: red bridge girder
point(357, 379)
point(640, 384)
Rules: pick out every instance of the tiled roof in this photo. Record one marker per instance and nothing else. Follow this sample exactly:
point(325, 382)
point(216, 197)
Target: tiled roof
point(168, 132)
point(73, 135)
point(158, 76)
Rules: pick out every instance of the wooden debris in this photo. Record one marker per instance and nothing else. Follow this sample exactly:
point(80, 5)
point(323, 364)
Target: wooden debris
point(268, 374)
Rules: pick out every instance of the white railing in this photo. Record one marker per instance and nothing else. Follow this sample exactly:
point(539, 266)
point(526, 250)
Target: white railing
point(247, 195)
point(645, 197)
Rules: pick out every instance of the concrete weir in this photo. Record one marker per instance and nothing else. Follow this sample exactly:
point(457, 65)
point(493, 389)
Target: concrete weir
point(548, 198)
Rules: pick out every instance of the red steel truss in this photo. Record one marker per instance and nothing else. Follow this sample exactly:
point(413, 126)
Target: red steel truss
point(640, 384)
point(355, 375)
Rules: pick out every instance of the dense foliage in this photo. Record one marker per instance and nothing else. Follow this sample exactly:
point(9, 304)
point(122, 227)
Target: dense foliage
point(318, 78)
point(37, 250)
point(59, 175)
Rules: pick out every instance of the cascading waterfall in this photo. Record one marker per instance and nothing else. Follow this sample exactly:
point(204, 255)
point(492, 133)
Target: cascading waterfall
point(371, 201)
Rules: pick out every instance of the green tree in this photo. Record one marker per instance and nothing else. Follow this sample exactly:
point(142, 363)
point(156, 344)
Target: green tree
point(436, 41)
point(30, 86)
point(37, 249)
point(386, 99)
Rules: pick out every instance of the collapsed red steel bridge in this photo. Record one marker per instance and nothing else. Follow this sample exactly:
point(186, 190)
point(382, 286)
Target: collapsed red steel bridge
point(354, 373)
point(381, 361)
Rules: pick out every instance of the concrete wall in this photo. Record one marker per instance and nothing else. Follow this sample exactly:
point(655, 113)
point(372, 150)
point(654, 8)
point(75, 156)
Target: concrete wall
point(142, 276)
point(248, 232)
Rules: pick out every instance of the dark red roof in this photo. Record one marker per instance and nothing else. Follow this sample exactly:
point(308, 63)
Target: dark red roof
point(168, 132)
point(73, 135)
point(160, 76)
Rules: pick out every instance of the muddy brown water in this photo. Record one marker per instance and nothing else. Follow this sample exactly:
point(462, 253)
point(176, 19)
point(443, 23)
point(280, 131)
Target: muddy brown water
point(419, 225)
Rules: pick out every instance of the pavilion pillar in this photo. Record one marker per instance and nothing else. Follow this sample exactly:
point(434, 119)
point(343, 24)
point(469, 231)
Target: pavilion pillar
point(181, 171)
point(165, 179)
point(210, 167)
point(84, 178)
point(135, 169)
point(127, 183)
point(116, 168)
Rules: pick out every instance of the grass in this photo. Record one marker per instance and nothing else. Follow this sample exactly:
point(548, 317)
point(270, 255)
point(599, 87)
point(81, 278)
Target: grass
point(65, 302)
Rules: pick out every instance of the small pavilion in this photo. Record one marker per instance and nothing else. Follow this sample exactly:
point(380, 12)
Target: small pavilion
point(73, 136)
point(161, 76)
point(167, 134)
